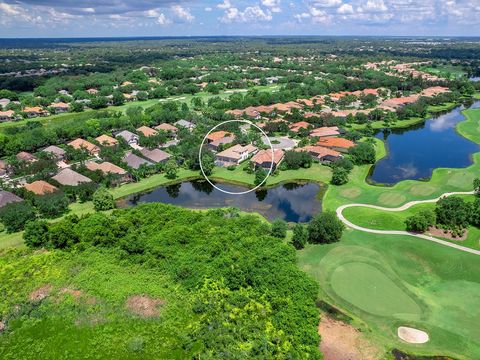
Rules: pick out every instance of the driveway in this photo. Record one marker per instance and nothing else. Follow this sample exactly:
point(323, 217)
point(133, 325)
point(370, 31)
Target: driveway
point(284, 142)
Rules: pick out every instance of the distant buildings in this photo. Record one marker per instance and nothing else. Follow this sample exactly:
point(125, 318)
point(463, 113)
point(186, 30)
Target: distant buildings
point(234, 155)
point(8, 198)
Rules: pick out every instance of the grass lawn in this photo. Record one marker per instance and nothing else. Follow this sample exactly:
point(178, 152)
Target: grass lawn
point(447, 71)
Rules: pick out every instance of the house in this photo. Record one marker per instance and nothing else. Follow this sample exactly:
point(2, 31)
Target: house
point(26, 156)
point(186, 124)
point(147, 131)
point(234, 155)
point(56, 151)
point(128, 136)
point(155, 155)
point(126, 83)
point(169, 129)
point(40, 187)
point(7, 115)
point(92, 91)
point(80, 144)
point(4, 103)
point(60, 107)
point(109, 168)
point(396, 103)
point(296, 127)
point(325, 132)
point(216, 135)
point(135, 161)
point(214, 145)
point(264, 158)
point(8, 198)
point(68, 177)
point(338, 144)
point(107, 141)
point(323, 154)
point(34, 111)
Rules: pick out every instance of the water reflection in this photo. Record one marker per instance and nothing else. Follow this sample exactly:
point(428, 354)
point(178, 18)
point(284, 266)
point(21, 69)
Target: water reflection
point(296, 202)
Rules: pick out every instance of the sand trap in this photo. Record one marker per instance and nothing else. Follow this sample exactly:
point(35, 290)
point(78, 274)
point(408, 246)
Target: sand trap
point(412, 336)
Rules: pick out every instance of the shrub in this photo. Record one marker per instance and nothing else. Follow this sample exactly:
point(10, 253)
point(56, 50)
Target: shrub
point(300, 236)
point(421, 221)
point(339, 176)
point(36, 233)
point(14, 216)
point(103, 200)
point(325, 228)
point(52, 205)
point(279, 228)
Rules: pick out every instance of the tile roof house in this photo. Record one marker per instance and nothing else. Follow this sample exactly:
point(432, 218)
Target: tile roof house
point(7, 115)
point(217, 135)
point(322, 153)
point(69, 177)
point(186, 124)
point(295, 127)
point(4, 102)
point(234, 155)
point(60, 107)
point(128, 136)
point(167, 127)
point(135, 161)
point(81, 144)
point(34, 111)
point(92, 91)
point(109, 168)
point(26, 156)
point(56, 151)
point(338, 144)
point(8, 198)
point(105, 140)
point(325, 131)
point(214, 145)
point(40, 187)
point(155, 155)
point(147, 131)
point(4, 168)
point(264, 158)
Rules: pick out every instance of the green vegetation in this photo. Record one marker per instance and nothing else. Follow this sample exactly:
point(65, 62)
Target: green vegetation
point(157, 281)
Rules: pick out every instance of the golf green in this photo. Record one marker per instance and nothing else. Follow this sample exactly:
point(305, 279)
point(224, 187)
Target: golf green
point(369, 289)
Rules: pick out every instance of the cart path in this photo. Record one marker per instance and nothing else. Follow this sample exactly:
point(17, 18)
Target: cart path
point(398, 232)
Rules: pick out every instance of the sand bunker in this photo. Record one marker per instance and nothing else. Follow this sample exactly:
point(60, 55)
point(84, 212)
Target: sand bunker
point(412, 336)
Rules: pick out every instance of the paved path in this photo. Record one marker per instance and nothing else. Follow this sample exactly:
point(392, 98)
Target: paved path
point(397, 232)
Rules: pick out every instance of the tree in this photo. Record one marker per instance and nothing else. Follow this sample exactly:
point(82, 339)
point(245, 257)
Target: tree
point(363, 153)
point(260, 175)
point(103, 200)
point(421, 221)
point(476, 186)
point(52, 205)
point(208, 162)
point(300, 236)
point(118, 98)
point(36, 233)
point(14, 216)
point(171, 169)
point(279, 228)
point(339, 176)
point(325, 228)
point(452, 212)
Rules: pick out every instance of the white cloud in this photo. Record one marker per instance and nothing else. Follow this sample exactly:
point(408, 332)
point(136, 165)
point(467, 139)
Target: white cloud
point(182, 13)
point(372, 6)
point(249, 14)
point(326, 3)
point(162, 20)
point(274, 5)
point(345, 9)
point(320, 16)
point(208, 9)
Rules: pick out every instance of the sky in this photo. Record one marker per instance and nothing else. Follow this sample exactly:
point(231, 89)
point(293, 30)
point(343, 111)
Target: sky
point(105, 18)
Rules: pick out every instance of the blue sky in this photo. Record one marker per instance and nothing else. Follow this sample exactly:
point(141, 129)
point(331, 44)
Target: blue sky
point(71, 18)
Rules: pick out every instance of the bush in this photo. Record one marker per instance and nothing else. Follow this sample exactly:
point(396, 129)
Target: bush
point(14, 216)
point(363, 153)
point(36, 233)
point(421, 221)
point(300, 236)
point(452, 212)
point(339, 176)
point(52, 205)
point(103, 200)
point(279, 228)
point(325, 228)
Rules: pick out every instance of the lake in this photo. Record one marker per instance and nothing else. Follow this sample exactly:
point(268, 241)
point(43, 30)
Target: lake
point(293, 202)
point(414, 152)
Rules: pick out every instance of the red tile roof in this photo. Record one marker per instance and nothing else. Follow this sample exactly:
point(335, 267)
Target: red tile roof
point(263, 156)
point(336, 143)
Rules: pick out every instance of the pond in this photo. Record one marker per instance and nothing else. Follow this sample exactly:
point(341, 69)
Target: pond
point(414, 152)
point(475, 79)
point(293, 202)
